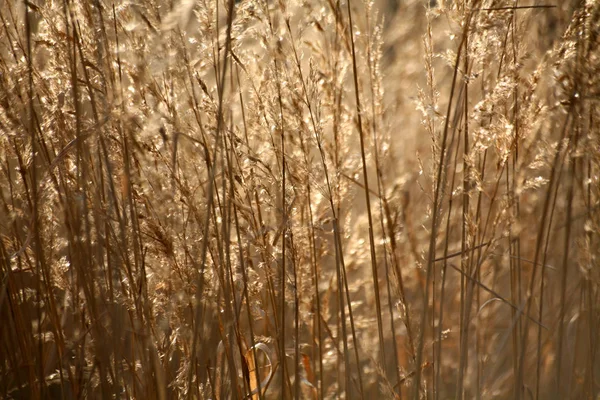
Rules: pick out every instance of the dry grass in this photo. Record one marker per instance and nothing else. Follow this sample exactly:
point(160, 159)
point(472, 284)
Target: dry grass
point(299, 199)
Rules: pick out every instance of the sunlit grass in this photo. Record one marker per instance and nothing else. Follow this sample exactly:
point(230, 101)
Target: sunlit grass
point(316, 199)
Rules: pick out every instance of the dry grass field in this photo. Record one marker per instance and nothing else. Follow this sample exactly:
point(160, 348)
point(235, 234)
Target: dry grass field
point(308, 199)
